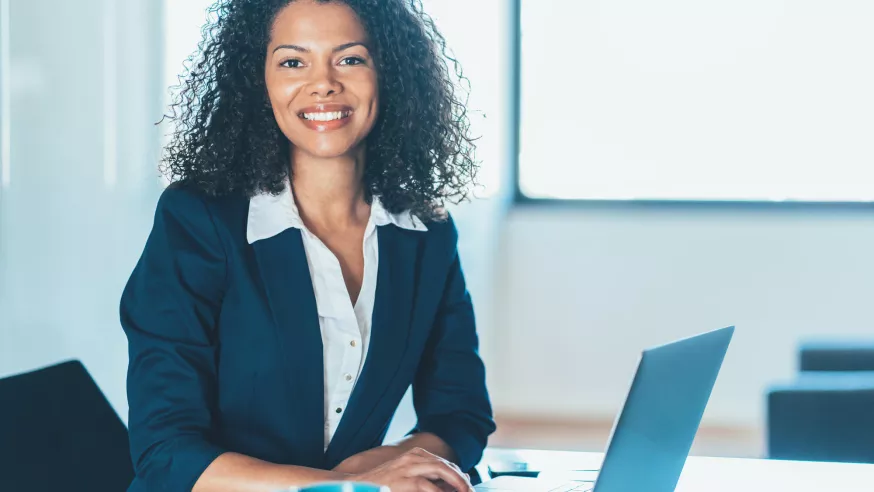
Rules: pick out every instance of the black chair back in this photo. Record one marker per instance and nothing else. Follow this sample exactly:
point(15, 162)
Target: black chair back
point(58, 432)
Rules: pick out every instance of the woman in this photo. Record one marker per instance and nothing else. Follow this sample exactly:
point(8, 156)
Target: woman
point(301, 274)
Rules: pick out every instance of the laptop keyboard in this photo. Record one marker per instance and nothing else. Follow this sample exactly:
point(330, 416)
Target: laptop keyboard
point(574, 487)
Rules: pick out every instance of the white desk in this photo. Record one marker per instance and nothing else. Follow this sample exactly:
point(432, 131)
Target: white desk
point(718, 474)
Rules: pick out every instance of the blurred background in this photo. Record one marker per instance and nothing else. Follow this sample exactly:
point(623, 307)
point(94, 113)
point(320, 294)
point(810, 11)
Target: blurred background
point(650, 170)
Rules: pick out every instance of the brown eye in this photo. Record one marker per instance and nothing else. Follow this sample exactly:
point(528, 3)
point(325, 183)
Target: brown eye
point(352, 60)
point(292, 63)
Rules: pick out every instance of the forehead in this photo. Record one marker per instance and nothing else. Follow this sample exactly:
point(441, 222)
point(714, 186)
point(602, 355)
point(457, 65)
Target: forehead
point(310, 24)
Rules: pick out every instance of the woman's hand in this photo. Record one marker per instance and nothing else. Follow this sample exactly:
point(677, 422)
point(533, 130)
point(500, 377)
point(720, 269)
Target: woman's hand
point(370, 459)
point(417, 471)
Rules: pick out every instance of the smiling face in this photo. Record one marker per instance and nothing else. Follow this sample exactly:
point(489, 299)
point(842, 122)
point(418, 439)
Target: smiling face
point(321, 79)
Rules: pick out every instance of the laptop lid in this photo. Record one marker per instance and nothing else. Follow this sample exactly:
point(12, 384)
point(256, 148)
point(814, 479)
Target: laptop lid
point(653, 433)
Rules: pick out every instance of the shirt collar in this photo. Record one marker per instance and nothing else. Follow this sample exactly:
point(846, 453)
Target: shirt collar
point(271, 214)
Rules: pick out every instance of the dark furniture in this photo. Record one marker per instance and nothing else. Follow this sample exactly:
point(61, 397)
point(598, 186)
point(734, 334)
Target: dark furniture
point(58, 433)
point(827, 412)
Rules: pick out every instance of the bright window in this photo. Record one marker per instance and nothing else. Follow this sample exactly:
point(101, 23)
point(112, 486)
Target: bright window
point(742, 100)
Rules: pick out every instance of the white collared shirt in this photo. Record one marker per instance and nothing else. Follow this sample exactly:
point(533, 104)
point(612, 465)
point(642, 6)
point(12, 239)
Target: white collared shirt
point(345, 328)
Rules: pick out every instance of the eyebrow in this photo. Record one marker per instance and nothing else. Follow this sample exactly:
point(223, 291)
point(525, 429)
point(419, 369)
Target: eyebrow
point(335, 50)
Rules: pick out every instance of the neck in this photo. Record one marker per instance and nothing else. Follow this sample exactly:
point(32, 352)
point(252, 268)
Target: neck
point(329, 191)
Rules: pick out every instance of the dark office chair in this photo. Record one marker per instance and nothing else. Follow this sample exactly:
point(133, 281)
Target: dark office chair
point(59, 433)
point(827, 413)
point(824, 416)
point(837, 356)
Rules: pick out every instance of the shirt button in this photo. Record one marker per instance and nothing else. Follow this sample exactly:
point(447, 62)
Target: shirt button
point(353, 343)
point(348, 377)
point(339, 410)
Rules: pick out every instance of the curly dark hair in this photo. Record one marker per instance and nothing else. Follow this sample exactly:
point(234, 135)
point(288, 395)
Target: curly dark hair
point(226, 140)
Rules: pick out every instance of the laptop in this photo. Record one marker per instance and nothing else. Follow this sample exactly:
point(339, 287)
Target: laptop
point(653, 433)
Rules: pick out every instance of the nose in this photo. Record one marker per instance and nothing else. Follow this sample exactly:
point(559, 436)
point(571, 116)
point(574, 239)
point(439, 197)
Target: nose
point(324, 82)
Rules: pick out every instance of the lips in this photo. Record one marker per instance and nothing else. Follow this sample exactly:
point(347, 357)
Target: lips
point(326, 117)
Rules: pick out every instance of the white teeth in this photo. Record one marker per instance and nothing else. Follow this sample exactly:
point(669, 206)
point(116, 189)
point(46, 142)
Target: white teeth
point(336, 115)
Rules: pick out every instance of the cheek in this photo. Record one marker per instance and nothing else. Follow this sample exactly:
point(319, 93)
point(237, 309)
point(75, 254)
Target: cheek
point(364, 86)
point(374, 91)
point(281, 95)
point(370, 93)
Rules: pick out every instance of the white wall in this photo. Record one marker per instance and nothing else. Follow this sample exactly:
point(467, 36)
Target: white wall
point(479, 39)
point(82, 185)
point(584, 289)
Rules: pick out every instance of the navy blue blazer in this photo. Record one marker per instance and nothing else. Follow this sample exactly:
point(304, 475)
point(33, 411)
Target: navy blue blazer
point(226, 350)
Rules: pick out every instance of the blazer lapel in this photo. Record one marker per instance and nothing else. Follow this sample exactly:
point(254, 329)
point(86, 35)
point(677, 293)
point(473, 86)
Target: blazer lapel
point(396, 283)
point(283, 266)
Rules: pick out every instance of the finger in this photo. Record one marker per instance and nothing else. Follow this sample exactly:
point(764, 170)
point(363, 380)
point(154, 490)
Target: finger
point(456, 468)
point(464, 476)
point(423, 453)
point(414, 461)
point(436, 470)
point(425, 485)
point(444, 487)
point(427, 454)
point(419, 455)
point(453, 465)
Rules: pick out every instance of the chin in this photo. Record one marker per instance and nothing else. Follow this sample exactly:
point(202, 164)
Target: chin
point(327, 152)
point(326, 148)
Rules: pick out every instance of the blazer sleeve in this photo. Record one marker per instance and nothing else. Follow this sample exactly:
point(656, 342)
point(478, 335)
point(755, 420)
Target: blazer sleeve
point(449, 391)
point(169, 312)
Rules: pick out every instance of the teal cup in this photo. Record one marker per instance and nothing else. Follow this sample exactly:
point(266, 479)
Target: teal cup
point(340, 487)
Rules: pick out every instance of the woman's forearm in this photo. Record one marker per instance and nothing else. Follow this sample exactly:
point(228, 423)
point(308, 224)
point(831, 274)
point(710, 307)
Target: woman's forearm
point(239, 473)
